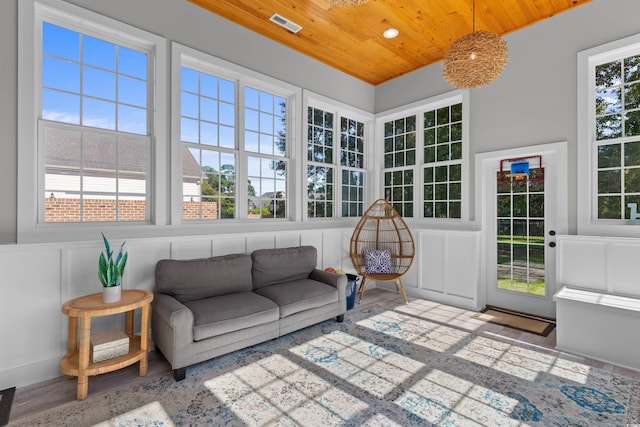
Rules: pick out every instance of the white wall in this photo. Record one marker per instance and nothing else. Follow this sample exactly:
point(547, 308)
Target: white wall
point(534, 100)
point(36, 279)
point(179, 21)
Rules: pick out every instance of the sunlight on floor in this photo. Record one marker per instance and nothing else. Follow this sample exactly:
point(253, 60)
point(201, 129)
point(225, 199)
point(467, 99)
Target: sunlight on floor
point(438, 337)
point(374, 368)
point(283, 389)
point(140, 416)
point(275, 388)
point(529, 361)
point(458, 401)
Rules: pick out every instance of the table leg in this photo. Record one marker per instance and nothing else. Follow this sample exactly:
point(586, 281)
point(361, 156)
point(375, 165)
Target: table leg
point(144, 340)
point(128, 322)
point(72, 338)
point(83, 357)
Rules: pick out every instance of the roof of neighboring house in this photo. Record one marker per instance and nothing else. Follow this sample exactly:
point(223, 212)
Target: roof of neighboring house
point(66, 152)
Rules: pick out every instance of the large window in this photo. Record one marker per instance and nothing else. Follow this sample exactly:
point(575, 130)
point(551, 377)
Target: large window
point(352, 137)
point(335, 163)
point(234, 135)
point(399, 159)
point(617, 135)
point(94, 127)
point(442, 187)
point(90, 145)
point(265, 138)
point(424, 162)
point(207, 131)
point(609, 133)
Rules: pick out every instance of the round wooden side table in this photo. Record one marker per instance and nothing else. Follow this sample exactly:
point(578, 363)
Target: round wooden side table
point(76, 362)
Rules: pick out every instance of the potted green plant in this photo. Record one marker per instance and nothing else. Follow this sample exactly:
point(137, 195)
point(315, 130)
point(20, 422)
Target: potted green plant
point(110, 271)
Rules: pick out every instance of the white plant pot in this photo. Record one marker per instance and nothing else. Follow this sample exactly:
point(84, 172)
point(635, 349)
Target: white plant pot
point(111, 294)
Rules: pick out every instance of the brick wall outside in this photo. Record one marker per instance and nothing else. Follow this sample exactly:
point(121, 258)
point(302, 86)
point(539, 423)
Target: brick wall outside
point(191, 210)
point(68, 210)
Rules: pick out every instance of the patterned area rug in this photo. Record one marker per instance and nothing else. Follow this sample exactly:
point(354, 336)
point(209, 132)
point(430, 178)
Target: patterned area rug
point(378, 368)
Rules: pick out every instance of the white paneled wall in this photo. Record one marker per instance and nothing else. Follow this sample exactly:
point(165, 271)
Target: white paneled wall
point(598, 304)
point(35, 280)
point(603, 264)
point(448, 267)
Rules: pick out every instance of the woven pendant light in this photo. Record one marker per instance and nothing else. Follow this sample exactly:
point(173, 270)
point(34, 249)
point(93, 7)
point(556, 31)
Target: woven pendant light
point(476, 59)
point(346, 2)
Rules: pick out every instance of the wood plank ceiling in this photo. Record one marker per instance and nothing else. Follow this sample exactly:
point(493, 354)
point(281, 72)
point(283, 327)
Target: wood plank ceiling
point(351, 38)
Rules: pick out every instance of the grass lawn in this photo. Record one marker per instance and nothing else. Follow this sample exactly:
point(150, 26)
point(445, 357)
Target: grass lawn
point(533, 288)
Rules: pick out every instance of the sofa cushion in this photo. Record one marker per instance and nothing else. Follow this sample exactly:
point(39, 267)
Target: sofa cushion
point(271, 266)
point(228, 313)
point(189, 280)
point(299, 295)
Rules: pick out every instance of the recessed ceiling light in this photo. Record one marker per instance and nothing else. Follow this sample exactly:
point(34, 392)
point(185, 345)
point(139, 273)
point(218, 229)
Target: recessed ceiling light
point(390, 33)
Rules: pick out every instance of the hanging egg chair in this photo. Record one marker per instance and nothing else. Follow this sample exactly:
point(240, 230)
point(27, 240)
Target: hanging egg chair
point(382, 247)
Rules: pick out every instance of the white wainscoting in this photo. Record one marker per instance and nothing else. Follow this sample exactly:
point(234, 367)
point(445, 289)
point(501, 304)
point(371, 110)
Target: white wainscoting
point(446, 268)
point(598, 304)
point(36, 279)
point(603, 264)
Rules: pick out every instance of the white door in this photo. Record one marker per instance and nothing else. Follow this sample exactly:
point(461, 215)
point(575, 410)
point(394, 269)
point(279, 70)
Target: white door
point(521, 220)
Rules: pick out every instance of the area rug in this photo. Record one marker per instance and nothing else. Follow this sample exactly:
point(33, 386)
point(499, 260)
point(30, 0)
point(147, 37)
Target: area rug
point(6, 400)
point(515, 320)
point(380, 367)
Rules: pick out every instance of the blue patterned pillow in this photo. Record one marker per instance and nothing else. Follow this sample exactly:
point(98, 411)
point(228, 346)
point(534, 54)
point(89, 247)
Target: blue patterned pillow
point(377, 262)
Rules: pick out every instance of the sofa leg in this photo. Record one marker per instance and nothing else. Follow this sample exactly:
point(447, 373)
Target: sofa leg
point(340, 318)
point(180, 373)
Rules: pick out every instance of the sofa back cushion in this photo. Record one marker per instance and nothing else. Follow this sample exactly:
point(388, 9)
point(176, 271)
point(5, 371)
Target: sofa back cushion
point(189, 280)
point(271, 266)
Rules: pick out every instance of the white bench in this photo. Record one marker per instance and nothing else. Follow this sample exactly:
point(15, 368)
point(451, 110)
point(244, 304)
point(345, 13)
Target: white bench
point(598, 304)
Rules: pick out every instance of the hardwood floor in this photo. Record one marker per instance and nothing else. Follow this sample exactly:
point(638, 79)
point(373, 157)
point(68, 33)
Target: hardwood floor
point(49, 394)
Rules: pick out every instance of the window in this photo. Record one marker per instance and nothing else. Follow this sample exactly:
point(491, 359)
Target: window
point(335, 162)
point(442, 187)
point(94, 128)
point(400, 152)
point(207, 131)
point(352, 161)
point(609, 132)
point(617, 135)
point(265, 136)
point(234, 134)
point(319, 152)
point(90, 149)
point(424, 161)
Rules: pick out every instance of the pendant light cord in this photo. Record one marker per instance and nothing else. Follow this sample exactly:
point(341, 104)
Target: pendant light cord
point(473, 16)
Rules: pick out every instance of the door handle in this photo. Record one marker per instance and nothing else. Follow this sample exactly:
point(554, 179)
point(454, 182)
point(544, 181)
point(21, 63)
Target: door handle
point(552, 244)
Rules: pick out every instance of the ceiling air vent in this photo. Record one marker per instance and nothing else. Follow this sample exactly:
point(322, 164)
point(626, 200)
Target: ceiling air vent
point(285, 23)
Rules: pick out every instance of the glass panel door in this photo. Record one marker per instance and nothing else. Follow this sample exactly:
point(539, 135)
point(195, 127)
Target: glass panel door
point(520, 234)
point(520, 221)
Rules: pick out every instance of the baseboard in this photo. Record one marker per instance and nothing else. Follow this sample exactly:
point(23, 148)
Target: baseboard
point(22, 376)
point(592, 357)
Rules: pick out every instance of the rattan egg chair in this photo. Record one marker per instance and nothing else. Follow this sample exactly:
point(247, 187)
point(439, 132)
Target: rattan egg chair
point(382, 228)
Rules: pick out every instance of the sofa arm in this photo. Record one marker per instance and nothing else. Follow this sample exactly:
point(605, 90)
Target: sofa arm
point(336, 280)
point(174, 318)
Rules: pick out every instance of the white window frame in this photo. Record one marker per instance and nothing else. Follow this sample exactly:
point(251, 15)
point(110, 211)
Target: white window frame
point(588, 223)
point(186, 56)
point(418, 109)
point(30, 15)
point(339, 110)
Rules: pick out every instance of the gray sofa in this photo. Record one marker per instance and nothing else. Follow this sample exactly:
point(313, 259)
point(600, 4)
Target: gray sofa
point(204, 308)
